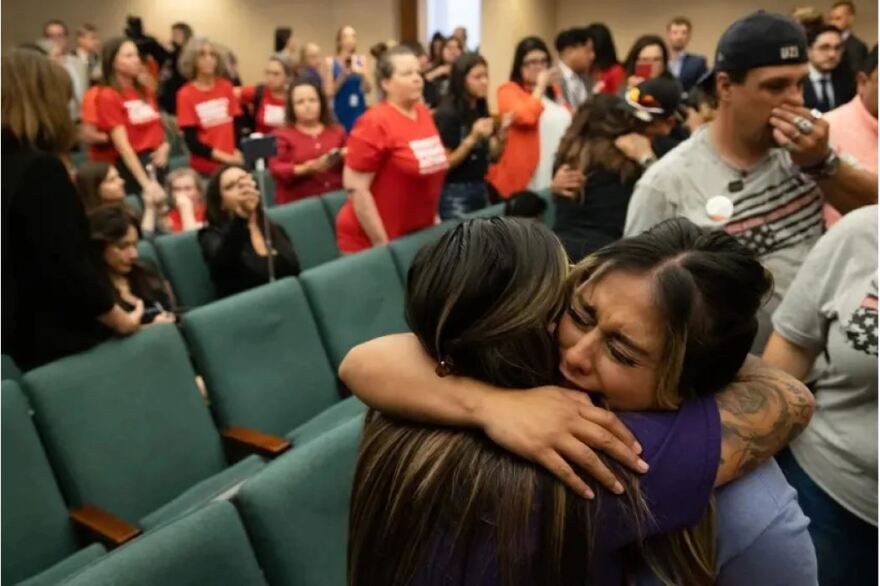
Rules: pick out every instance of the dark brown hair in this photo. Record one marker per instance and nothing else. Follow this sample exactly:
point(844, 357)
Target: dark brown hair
point(109, 51)
point(645, 41)
point(89, 176)
point(589, 141)
point(326, 116)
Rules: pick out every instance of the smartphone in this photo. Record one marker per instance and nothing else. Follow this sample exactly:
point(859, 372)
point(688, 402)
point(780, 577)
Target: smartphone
point(334, 156)
point(644, 70)
point(259, 146)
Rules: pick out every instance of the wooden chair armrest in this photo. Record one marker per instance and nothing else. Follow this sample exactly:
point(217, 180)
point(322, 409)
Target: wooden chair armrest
point(105, 526)
point(256, 441)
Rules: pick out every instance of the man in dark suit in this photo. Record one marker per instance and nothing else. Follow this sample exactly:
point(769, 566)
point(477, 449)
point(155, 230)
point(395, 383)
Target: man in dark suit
point(843, 16)
point(827, 85)
point(686, 67)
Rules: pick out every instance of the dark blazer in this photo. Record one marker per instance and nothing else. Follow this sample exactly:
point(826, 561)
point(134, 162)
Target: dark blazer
point(855, 51)
point(843, 83)
point(54, 286)
point(692, 69)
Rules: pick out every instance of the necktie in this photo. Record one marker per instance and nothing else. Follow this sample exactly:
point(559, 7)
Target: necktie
point(825, 102)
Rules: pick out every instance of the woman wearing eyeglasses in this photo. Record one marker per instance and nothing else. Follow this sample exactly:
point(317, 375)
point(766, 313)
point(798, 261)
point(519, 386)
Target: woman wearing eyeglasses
point(540, 118)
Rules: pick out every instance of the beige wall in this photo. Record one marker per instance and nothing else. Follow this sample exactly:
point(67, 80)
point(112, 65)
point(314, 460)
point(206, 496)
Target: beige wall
point(631, 18)
point(246, 26)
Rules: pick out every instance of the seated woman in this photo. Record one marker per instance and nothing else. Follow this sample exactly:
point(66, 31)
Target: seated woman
point(234, 242)
point(99, 183)
point(114, 233)
point(185, 188)
point(311, 146)
point(647, 323)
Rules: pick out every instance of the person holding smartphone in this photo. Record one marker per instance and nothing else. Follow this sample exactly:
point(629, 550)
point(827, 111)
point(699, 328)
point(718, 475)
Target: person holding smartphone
point(134, 281)
point(647, 59)
point(347, 78)
point(311, 146)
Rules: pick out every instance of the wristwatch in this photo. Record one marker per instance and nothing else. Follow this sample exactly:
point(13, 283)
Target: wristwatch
point(825, 168)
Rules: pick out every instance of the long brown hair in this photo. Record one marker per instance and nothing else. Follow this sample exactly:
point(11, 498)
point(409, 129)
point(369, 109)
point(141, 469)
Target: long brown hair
point(589, 141)
point(89, 176)
point(480, 301)
point(109, 52)
point(36, 92)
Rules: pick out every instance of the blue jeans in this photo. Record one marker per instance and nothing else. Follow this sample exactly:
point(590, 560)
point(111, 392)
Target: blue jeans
point(460, 199)
point(846, 546)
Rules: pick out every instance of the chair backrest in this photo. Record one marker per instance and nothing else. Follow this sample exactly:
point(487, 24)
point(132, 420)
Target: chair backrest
point(354, 299)
point(9, 370)
point(404, 249)
point(36, 531)
point(147, 251)
point(333, 202)
point(209, 546)
point(296, 510)
point(124, 424)
point(312, 235)
point(550, 214)
point(262, 358)
point(135, 204)
point(184, 265)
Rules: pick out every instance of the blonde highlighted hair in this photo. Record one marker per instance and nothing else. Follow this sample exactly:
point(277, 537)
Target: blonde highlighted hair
point(36, 94)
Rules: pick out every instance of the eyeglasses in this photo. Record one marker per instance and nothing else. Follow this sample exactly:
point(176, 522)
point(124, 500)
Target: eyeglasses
point(543, 61)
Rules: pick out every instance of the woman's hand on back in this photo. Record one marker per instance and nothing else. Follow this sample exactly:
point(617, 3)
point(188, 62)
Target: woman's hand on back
point(556, 427)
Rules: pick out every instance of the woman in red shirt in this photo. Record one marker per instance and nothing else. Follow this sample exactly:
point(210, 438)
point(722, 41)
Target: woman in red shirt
point(395, 164)
point(608, 74)
point(127, 112)
point(311, 146)
point(185, 188)
point(266, 101)
point(207, 110)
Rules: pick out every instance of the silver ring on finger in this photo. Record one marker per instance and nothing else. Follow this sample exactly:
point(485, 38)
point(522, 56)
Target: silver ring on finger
point(815, 114)
point(803, 125)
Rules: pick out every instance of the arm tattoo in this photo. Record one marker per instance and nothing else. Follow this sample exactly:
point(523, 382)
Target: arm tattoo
point(760, 414)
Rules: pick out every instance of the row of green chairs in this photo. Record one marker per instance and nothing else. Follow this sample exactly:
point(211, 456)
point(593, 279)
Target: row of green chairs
point(288, 526)
point(310, 223)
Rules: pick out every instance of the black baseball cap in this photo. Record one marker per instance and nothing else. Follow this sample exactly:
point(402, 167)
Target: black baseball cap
point(761, 39)
point(654, 98)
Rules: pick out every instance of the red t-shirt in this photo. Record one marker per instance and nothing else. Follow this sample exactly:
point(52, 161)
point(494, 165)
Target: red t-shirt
point(409, 163)
point(138, 114)
point(270, 114)
point(89, 114)
point(212, 113)
point(295, 148)
point(177, 224)
point(612, 79)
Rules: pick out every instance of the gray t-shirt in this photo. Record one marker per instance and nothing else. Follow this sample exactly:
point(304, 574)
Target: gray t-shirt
point(831, 308)
point(773, 209)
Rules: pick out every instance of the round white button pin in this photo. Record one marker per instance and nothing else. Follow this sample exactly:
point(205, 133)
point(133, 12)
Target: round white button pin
point(719, 208)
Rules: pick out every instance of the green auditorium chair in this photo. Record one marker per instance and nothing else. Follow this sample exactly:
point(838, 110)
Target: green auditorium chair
point(296, 510)
point(333, 202)
point(404, 249)
point(550, 214)
point(207, 547)
point(40, 545)
point(146, 251)
point(184, 265)
point(264, 365)
point(9, 370)
point(488, 212)
point(135, 204)
point(127, 431)
point(354, 299)
point(312, 235)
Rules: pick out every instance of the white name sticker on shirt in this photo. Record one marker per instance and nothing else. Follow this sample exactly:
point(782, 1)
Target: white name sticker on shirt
point(213, 112)
point(719, 208)
point(140, 112)
point(430, 154)
point(273, 115)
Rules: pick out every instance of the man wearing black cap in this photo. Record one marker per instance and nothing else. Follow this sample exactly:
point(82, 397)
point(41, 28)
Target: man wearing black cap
point(760, 169)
